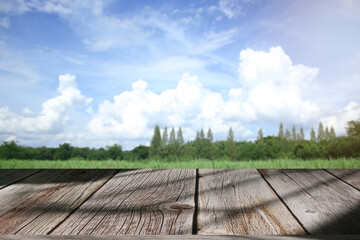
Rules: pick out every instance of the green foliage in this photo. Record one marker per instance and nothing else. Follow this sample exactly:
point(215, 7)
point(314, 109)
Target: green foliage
point(165, 137)
point(140, 152)
point(10, 150)
point(281, 131)
point(312, 135)
point(301, 134)
point(353, 128)
point(293, 133)
point(156, 143)
point(114, 152)
point(321, 132)
point(230, 145)
point(209, 135)
point(291, 145)
point(63, 152)
point(179, 137)
point(260, 135)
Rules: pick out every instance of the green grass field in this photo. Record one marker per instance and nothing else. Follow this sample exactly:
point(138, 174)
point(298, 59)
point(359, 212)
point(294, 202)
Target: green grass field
point(343, 163)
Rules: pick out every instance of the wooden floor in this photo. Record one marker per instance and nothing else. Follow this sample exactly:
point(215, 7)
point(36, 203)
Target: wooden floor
point(179, 201)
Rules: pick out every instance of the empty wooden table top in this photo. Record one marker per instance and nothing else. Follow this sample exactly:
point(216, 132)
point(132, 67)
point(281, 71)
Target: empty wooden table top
point(217, 202)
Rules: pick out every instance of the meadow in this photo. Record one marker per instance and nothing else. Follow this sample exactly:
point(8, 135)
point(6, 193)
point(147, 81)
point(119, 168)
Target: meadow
point(340, 163)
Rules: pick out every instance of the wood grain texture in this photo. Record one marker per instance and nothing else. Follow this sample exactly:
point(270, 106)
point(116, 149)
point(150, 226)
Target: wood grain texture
point(350, 176)
point(322, 203)
point(38, 203)
point(184, 237)
point(137, 202)
point(9, 176)
point(241, 202)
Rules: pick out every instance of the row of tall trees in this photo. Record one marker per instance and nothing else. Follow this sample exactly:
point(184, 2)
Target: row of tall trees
point(293, 135)
point(170, 145)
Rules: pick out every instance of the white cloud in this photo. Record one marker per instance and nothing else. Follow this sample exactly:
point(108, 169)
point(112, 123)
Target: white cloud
point(231, 8)
point(214, 40)
point(4, 22)
point(74, 61)
point(54, 115)
point(133, 114)
point(274, 86)
point(338, 119)
point(176, 63)
point(49, 6)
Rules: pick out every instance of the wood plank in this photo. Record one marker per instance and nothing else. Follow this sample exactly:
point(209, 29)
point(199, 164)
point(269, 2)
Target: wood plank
point(137, 202)
point(9, 176)
point(195, 237)
point(38, 203)
point(350, 176)
point(322, 203)
point(241, 202)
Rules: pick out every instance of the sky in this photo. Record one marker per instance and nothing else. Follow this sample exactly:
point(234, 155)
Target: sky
point(97, 73)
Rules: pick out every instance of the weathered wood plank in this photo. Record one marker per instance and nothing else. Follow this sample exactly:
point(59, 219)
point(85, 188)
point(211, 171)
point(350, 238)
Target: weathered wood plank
point(350, 176)
point(241, 202)
point(9, 176)
point(137, 202)
point(322, 203)
point(195, 237)
point(38, 203)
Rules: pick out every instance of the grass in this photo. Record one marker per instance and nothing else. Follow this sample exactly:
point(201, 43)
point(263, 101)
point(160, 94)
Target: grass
point(342, 163)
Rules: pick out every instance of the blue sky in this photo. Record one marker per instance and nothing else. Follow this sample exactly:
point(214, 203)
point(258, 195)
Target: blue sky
point(94, 73)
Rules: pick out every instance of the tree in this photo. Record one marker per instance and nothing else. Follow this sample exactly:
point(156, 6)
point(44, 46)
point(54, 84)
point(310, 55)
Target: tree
point(141, 152)
point(230, 145)
point(287, 135)
point(64, 151)
point(312, 135)
point(179, 137)
point(156, 143)
point(332, 133)
point(327, 134)
point(321, 133)
point(114, 152)
point(202, 134)
point(165, 137)
point(209, 135)
point(9, 150)
point(281, 131)
point(301, 135)
point(260, 135)
point(353, 128)
point(293, 133)
point(172, 139)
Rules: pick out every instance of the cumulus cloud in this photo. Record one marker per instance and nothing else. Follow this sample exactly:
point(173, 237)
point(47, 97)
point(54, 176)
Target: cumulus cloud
point(270, 90)
point(133, 114)
point(274, 86)
point(338, 119)
point(55, 111)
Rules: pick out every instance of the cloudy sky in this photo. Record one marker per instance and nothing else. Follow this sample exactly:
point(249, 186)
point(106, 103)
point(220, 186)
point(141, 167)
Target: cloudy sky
point(95, 73)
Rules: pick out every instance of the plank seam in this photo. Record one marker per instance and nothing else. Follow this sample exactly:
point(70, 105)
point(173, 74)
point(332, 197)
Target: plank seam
point(283, 202)
point(196, 201)
point(39, 170)
point(75, 209)
point(341, 179)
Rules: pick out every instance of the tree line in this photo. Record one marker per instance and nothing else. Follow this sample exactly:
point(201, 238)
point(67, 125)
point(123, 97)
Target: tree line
point(170, 145)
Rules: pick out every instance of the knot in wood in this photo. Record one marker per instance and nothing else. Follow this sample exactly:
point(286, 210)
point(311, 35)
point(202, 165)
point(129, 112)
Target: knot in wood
point(181, 206)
